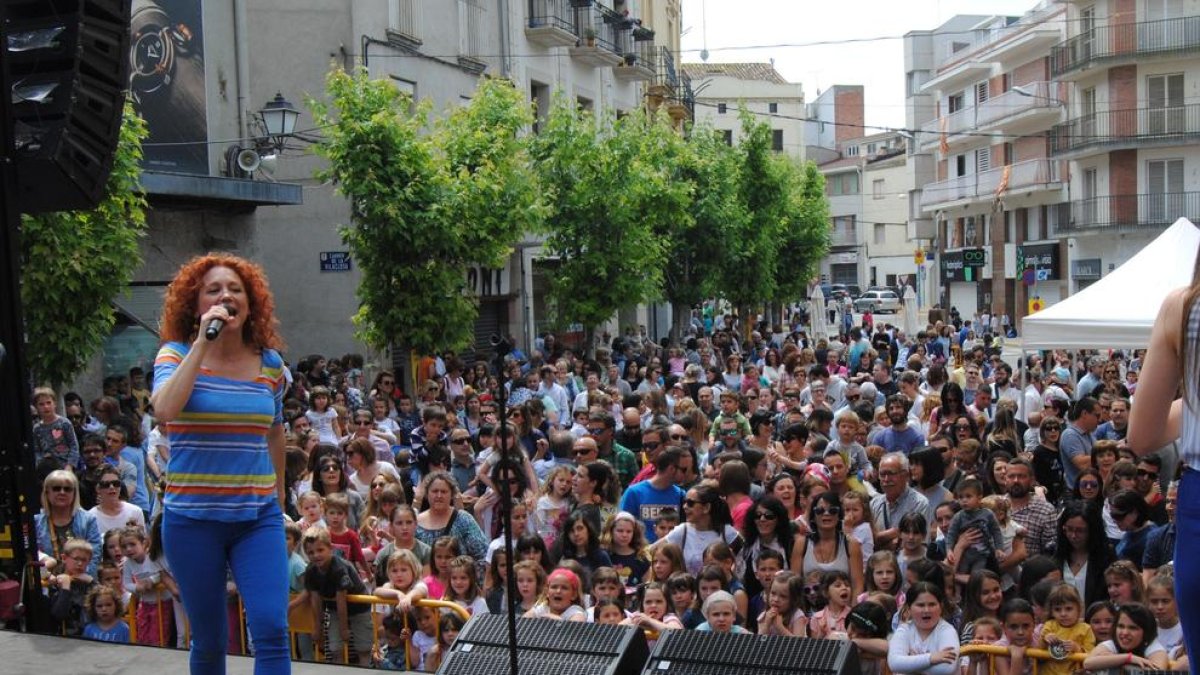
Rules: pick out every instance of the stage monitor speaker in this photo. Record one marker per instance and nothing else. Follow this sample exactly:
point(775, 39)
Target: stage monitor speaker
point(67, 64)
point(688, 652)
point(546, 647)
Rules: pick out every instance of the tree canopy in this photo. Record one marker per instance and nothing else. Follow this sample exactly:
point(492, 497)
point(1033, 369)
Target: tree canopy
point(73, 263)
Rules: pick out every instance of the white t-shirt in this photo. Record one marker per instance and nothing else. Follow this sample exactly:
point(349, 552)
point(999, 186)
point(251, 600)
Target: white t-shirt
point(693, 542)
point(128, 513)
point(1151, 649)
point(323, 423)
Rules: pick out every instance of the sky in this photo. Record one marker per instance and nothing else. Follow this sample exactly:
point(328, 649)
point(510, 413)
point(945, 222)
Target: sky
point(736, 31)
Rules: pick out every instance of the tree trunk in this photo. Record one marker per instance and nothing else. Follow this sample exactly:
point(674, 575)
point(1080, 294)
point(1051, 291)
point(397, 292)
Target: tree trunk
point(680, 319)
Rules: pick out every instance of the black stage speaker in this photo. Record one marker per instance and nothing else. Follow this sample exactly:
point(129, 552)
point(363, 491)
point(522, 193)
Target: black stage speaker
point(546, 647)
point(689, 652)
point(67, 64)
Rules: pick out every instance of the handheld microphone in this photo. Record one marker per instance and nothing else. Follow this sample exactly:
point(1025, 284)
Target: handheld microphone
point(215, 326)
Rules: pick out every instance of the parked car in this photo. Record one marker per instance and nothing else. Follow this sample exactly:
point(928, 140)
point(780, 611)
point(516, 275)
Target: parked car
point(847, 289)
point(878, 302)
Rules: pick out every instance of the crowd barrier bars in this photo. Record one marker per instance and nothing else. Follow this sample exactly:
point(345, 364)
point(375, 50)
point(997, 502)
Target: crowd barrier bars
point(1037, 656)
point(302, 622)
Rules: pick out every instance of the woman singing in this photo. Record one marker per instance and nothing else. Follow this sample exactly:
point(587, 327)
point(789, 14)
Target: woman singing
point(221, 400)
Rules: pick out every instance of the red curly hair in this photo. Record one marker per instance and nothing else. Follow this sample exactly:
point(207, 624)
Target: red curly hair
point(180, 322)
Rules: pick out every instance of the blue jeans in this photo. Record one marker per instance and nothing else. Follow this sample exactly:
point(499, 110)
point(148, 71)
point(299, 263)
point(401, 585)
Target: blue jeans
point(199, 552)
point(1187, 559)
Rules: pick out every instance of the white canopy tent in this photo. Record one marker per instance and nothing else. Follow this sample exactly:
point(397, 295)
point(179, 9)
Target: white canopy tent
point(1118, 311)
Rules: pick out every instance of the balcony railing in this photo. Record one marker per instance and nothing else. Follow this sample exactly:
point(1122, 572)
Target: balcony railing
point(1125, 41)
point(1041, 96)
point(552, 23)
point(1128, 212)
point(667, 77)
point(1031, 173)
point(1133, 126)
point(1047, 96)
point(641, 60)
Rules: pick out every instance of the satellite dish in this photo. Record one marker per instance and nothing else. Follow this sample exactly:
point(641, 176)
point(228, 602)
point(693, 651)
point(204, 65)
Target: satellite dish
point(248, 160)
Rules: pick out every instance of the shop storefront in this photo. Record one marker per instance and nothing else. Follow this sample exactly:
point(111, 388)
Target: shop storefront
point(962, 274)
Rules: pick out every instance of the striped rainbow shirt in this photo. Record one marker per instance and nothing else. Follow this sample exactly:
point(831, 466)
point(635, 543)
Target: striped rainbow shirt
point(220, 466)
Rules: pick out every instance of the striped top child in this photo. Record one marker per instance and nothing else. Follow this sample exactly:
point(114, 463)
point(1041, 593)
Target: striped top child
point(220, 466)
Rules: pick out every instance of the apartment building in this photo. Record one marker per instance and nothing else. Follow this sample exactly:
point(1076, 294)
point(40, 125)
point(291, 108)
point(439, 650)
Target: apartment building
point(722, 88)
point(602, 54)
point(1059, 144)
point(1132, 138)
point(995, 188)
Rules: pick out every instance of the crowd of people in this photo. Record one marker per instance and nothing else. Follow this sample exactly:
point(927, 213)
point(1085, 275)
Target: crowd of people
point(911, 493)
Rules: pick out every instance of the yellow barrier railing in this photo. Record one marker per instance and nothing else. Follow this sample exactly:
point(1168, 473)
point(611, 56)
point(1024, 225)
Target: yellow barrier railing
point(302, 622)
point(1037, 656)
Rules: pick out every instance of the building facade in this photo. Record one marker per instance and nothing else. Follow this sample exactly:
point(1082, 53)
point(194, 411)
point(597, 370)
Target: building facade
point(604, 55)
point(722, 88)
point(1051, 146)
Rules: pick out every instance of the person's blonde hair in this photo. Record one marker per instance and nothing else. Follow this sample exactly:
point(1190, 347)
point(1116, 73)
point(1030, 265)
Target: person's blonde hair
point(317, 535)
point(56, 477)
point(44, 392)
point(404, 556)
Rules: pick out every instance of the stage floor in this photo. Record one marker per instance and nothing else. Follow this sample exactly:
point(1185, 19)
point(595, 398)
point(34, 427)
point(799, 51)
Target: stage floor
point(25, 654)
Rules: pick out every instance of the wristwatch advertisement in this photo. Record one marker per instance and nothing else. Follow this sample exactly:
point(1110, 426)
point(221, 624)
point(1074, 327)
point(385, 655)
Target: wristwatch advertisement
point(166, 83)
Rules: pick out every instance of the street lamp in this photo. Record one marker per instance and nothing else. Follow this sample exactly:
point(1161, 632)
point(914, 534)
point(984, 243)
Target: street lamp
point(279, 119)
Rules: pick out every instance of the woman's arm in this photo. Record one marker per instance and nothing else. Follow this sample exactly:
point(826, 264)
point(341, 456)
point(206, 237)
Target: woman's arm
point(1018, 554)
point(276, 445)
point(798, 548)
point(1151, 426)
point(854, 552)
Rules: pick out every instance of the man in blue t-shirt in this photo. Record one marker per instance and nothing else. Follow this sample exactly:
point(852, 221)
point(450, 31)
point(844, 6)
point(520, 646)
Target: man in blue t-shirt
point(645, 499)
point(1075, 444)
point(899, 437)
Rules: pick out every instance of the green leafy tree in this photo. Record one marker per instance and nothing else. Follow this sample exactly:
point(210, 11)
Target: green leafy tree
point(73, 263)
point(749, 271)
point(610, 193)
point(805, 237)
point(715, 213)
point(425, 206)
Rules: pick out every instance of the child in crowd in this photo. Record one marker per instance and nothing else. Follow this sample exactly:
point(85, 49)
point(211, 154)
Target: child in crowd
point(767, 566)
point(69, 589)
point(321, 415)
point(404, 536)
point(1134, 643)
point(608, 611)
point(710, 580)
point(403, 585)
point(624, 537)
point(987, 630)
point(720, 612)
point(1016, 616)
point(520, 525)
point(606, 585)
point(720, 554)
point(883, 575)
point(579, 541)
point(445, 549)
point(110, 575)
point(667, 561)
point(867, 627)
point(345, 540)
point(296, 562)
point(914, 533)
point(449, 627)
point(1065, 632)
point(1009, 530)
point(668, 519)
point(464, 588)
point(830, 622)
point(553, 504)
point(681, 591)
point(312, 510)
point(495, 584)
point(103, 608)
point(112, 548)
point(424, 638)
point(654, 615)
point(327, 582)
point(855, 509)
point(783, 615)
point(989, 551)
point(1160, 596)
point(397, 648)
point(1101, 617)
point(531, 584)
point(1124, 583)
point(563, 598)
point(146, 577)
